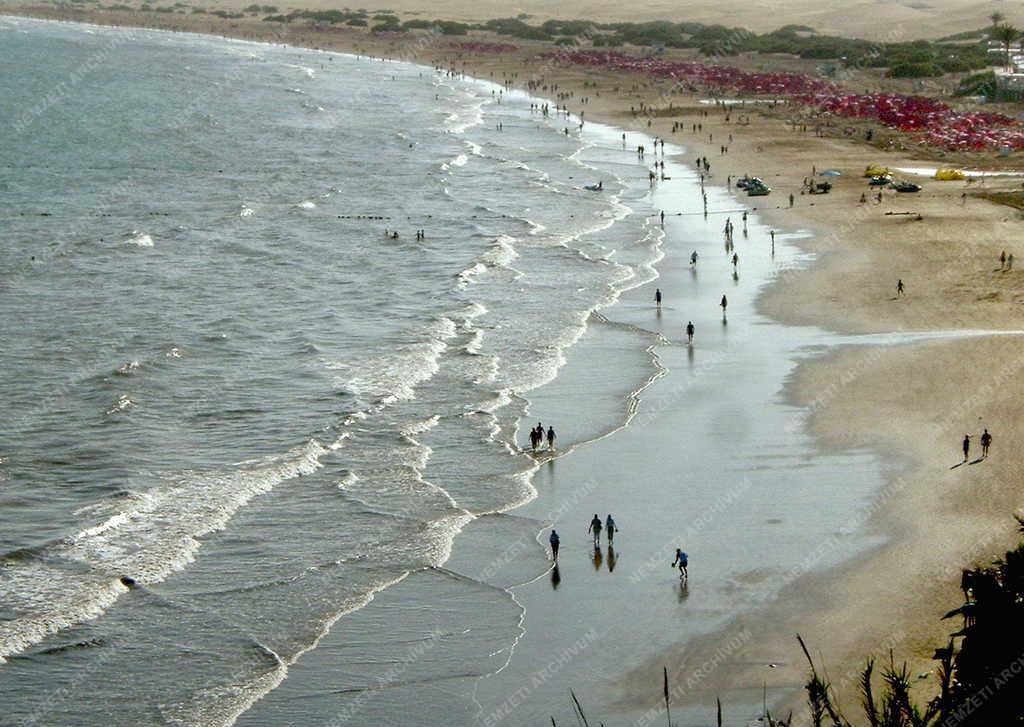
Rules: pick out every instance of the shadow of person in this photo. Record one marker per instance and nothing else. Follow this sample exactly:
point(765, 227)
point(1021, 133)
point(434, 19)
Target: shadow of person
point(958, 464)
point(598, 557)
point(612, 558)
point(976, 461)
point(684, 589)
point(556, 577)
point(735, 276)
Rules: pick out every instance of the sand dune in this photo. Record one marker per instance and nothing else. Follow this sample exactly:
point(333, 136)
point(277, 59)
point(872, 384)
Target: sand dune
point(874, 19)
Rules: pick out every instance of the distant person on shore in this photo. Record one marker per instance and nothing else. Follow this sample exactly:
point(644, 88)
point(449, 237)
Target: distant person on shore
point(986, 440)
point(791, 198)
point(773, 237)
point(551, 437)
point(724, 304)
point(682, 561)
point(689, 332)
point(609, 525)
point(899, 288)
point(1002, 260)
point(693, 258)
point(595, 529)
point(554, 540)
point(735, 260)
point(967, 446)
point(657, 297)
point(534, 439)
point(663, 218)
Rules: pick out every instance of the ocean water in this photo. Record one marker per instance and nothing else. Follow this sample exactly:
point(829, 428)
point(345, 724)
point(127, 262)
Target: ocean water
point(262, 463)
point(235, 410)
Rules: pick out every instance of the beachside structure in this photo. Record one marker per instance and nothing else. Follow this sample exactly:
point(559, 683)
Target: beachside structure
point(997, 52)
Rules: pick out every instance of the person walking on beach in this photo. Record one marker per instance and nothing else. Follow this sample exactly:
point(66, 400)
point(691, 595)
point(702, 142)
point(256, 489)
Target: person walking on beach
point(551, 437)
point(899, 288)
point(967, 446)
point(663, 218)
point(611, 527)
point(595, 529)
point(534, 439)
point(554, 540)
point(735, 260)
point(693, 258)
point(682, 562)
point(986, 440)
point(724, 304)
point(1002, 260)
point(657, 297)
point(689, 332)
point(791, 199)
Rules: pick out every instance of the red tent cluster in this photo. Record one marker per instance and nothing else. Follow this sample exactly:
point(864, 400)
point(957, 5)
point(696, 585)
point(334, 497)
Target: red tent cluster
point(935, 122)
point(485, 47)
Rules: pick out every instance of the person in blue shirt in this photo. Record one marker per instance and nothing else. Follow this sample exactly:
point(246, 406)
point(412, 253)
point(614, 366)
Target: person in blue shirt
point(683, 561)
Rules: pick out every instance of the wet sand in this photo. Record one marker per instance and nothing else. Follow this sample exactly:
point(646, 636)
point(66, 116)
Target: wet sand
point(921, 520)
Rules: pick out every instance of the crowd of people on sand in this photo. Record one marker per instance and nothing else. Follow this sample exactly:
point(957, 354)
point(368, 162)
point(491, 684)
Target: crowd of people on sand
point(538, 434)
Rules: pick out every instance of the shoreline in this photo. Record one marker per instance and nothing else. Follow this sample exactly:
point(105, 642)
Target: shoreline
point(846, 268)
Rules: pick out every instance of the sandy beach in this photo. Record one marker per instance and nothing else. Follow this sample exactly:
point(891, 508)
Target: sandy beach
point(876, 389)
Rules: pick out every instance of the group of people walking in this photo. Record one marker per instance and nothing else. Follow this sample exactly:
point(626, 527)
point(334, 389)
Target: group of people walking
point(681, 560)
point(986, 442)
point(594, 529)
point(538, 435)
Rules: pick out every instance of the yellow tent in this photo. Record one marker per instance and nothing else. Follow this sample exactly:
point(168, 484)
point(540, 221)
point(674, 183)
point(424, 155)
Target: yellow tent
point(873, 170)
point(947, 175)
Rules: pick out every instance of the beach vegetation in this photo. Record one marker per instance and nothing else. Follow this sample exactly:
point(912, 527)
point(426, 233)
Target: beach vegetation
point(450, 27)
point(417, 24)
point(911, 59)
point(978, 84)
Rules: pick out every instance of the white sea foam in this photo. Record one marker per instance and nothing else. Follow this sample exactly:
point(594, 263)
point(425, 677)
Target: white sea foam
point(150, 538)
point(139, 239)
point(394, 375)
point(123, 404)
point(128, 368)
